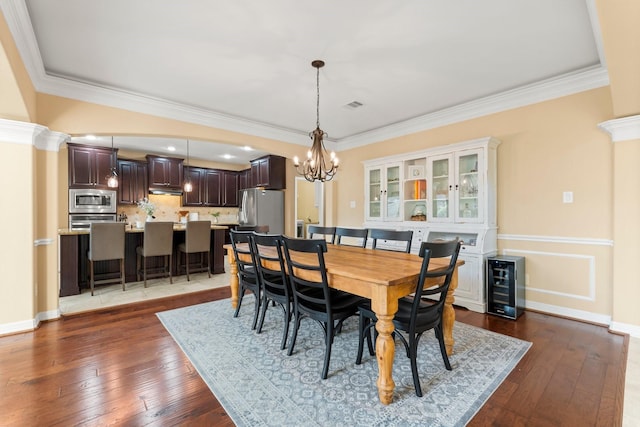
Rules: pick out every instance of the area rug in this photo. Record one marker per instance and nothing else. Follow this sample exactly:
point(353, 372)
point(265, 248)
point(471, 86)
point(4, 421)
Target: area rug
point(259, 385)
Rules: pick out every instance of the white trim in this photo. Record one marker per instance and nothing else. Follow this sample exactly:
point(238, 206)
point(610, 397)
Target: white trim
point(554, 310)
point(31, 134)
point(30, 324)
point(592, 274)
point(625, 328)
point(623, 129)
point(556, 239)
point(17, 17)
point(592, 10)
point(47, 315)
point(15, 327)
point(556, 87)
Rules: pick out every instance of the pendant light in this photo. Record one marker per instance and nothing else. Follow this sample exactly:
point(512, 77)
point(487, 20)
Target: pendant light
point(112, 179)
point(315, 166)
point(188, 187)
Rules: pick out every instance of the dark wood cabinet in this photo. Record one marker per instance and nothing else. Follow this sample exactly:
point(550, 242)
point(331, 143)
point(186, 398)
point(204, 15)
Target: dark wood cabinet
point(207, 187)
point(90, 167)
point(244, 179)
point(269, 172)
point(230, 188)
point(212, 187)
point(133, 185)
point(194, 197)
point(165, 173)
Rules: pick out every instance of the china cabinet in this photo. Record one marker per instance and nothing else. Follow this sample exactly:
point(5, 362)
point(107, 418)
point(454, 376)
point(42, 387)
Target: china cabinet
point(383, 192)
point(457, 190)
point(442, 193)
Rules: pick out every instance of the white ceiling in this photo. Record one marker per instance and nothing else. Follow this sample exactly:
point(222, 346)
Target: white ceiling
point(246, 65)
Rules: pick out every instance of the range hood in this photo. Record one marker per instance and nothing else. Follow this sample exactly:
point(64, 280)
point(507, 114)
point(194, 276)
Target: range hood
point(168, 191)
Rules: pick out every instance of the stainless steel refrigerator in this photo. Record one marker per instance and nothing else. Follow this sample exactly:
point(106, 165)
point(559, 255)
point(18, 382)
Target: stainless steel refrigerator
point(262, 207)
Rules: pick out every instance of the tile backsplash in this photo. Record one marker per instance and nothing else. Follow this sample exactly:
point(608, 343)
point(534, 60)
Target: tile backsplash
point(167, 208)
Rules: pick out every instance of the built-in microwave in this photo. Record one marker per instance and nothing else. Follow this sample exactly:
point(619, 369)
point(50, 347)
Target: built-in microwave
point(92, 201)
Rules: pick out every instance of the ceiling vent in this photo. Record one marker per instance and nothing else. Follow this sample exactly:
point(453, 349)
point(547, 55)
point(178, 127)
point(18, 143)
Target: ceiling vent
point(353, 105)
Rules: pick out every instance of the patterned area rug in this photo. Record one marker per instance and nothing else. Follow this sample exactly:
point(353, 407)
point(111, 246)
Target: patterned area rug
point(259, 385)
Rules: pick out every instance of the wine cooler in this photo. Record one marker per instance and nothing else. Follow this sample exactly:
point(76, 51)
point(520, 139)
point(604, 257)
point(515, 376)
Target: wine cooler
point(505, 286)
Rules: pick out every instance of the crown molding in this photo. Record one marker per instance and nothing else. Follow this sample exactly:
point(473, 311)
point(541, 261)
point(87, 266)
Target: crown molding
point(557, 87)
point(17, 17)
point(623, 129)
point(25, 133)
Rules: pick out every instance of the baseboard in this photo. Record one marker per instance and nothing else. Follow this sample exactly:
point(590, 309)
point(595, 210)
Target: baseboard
point(28, 325)
point(625, 328)
point(554, 310)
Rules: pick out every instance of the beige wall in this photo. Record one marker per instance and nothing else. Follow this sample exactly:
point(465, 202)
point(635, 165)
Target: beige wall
point(546, 149)
point(17, 254)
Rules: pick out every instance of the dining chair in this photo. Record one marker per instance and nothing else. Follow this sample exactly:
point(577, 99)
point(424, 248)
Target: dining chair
point(327, 233)
point(247, 272)
point(157, 241)
point(275, 284)
point(354, 233)
point(106, 242)
point(419, 312)
point(197, 240)
point(394, 235)
point(312, 296)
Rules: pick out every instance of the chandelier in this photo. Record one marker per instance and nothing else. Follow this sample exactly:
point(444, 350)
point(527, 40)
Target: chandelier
point(316, 167)
point(112, 178)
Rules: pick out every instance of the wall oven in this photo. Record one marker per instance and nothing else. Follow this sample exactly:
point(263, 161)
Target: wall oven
point(91, 205)
point(83, 221)
point(92, 201)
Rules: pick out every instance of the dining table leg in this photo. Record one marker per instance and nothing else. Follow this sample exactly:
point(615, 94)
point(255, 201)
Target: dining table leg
point(449, 314)
point(233, 278)
point(385, 310)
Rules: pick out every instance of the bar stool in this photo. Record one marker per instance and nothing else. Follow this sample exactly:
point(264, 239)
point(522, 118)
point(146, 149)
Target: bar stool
point(158, 241)
point(197, 240)
point(106, 242)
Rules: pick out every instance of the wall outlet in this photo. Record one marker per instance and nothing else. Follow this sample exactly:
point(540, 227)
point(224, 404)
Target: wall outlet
point(352, 204)
point(567, 197)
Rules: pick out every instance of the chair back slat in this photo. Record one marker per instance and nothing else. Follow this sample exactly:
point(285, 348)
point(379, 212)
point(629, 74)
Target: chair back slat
point(394, 235)
point(327, 233)
point(355, 233)
point(308, 275)
point(274, 281)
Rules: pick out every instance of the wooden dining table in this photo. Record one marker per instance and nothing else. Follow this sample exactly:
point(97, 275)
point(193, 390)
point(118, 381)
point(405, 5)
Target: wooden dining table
point(383, 277)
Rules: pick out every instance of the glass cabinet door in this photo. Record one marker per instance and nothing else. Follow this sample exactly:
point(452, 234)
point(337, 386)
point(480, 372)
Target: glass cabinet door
point(441, 184)
point(468, 186)
point(374, 184)
point(392, 206)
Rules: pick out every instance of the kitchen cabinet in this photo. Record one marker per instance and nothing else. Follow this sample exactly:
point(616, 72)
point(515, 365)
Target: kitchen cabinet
point(382, 187)
point(230, 181)
point(244, 179)
point(206, 187)
point(269, 172)
point(195, 196)
point(165, 173)
point(132, 181)
point(89, 167)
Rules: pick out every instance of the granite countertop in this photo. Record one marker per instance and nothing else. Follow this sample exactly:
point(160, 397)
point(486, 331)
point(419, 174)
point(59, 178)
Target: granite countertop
point(176, 227)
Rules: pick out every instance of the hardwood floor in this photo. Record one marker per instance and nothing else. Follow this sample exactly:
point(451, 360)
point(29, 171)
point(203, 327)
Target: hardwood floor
point(119, 366)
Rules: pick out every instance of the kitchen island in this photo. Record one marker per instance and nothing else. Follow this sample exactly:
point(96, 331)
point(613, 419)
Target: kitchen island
point(73, 246)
